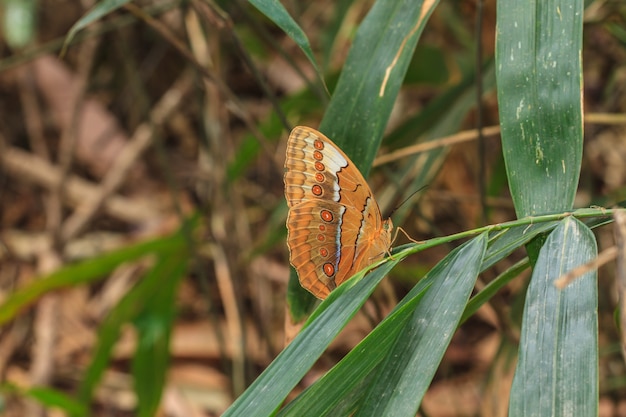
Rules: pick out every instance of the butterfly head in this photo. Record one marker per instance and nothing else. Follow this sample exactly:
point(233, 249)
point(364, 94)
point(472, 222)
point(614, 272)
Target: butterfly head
point(386, 234)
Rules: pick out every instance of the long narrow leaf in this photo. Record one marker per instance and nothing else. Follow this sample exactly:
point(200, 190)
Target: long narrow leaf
point(368, 87)
point(404, 377)
point(276, 12)
point(100, 10)
point(154, 325)
point(341, 390)
point(538, 53)
point(87, 271)
point(269, 390)
point(557, 372)
point(504, 242)
point(127, 310)
point(348, 378)
point(371, 78)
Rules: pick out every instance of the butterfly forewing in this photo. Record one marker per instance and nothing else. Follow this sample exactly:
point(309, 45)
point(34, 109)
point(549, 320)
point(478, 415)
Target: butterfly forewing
point(334, 224)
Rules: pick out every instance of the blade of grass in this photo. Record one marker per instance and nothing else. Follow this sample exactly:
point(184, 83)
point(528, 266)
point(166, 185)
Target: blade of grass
point(48, 397)
point(344, 386)
point(348, 377)
point(132, 306)
point(504, 242)
point(101, 9)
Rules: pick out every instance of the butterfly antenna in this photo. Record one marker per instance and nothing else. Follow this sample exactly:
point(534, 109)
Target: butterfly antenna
point(406, 199)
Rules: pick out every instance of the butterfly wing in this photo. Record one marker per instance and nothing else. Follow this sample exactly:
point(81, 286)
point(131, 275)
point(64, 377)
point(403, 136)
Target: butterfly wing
point(335, 227)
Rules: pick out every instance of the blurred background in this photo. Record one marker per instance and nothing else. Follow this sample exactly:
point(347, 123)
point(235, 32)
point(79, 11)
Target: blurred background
point(160, 110)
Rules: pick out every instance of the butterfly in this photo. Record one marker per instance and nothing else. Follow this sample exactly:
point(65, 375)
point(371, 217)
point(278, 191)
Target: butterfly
point(334, 226)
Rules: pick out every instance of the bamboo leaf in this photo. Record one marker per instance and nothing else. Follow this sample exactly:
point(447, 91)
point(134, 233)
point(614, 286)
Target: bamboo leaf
point(270, 389)
point(367, 90)
point(100, 9)
point(87, 271)
point(538, 60)
point(371, 78)
point(410, 365)
point(557, 371)
point(276, 12)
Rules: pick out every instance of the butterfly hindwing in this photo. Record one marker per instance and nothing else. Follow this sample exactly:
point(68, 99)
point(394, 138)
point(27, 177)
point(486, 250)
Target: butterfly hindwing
point(334, 224)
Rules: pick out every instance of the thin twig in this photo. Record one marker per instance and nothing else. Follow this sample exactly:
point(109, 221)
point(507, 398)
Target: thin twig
point(24, 166)
point(603, 257)
point(469, 135)
point(620, 240)
point(127, 157)
point(234, 104)
point(460, 137)
point(32, 113)
point(232, 314)
point(69, 138)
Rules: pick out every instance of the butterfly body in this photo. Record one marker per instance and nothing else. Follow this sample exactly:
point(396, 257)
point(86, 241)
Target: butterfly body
point(335, 227)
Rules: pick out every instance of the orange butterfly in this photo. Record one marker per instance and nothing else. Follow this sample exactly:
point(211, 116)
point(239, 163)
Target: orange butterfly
point(335, 227)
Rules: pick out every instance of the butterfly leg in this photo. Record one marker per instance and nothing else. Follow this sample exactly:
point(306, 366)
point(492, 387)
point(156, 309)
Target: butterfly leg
point(400, 229)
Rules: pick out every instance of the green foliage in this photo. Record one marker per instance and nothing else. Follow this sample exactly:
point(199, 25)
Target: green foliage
point(538, 53)
point(269, 390)
point(538, 72)
point(371, 78)
point(88, 271)
point(559, 343)
point(541, 119)
point(149, 305)
point(19, 18)
point(369, 84)
point(101, 9)
point(275, 11)
point(400, 356)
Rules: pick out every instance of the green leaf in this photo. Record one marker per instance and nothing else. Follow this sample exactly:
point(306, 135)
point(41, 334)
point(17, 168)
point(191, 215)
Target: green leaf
point(371, 78)
point(490, 290)
point(19, 22)
point(538, 60)
point(276, 12)
point(404, 377)
point(101, 9)
point(299, 300)
point(53, 398)
point(377, 366)
point(367, 90)
point(346, 379)
point(503, 243)
point(269, 390)
point(140, 305)
point(436, 72)
point(87, 271)
point(618, 31)
point(557, 371)
point(154, 327)
point(129, 309)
